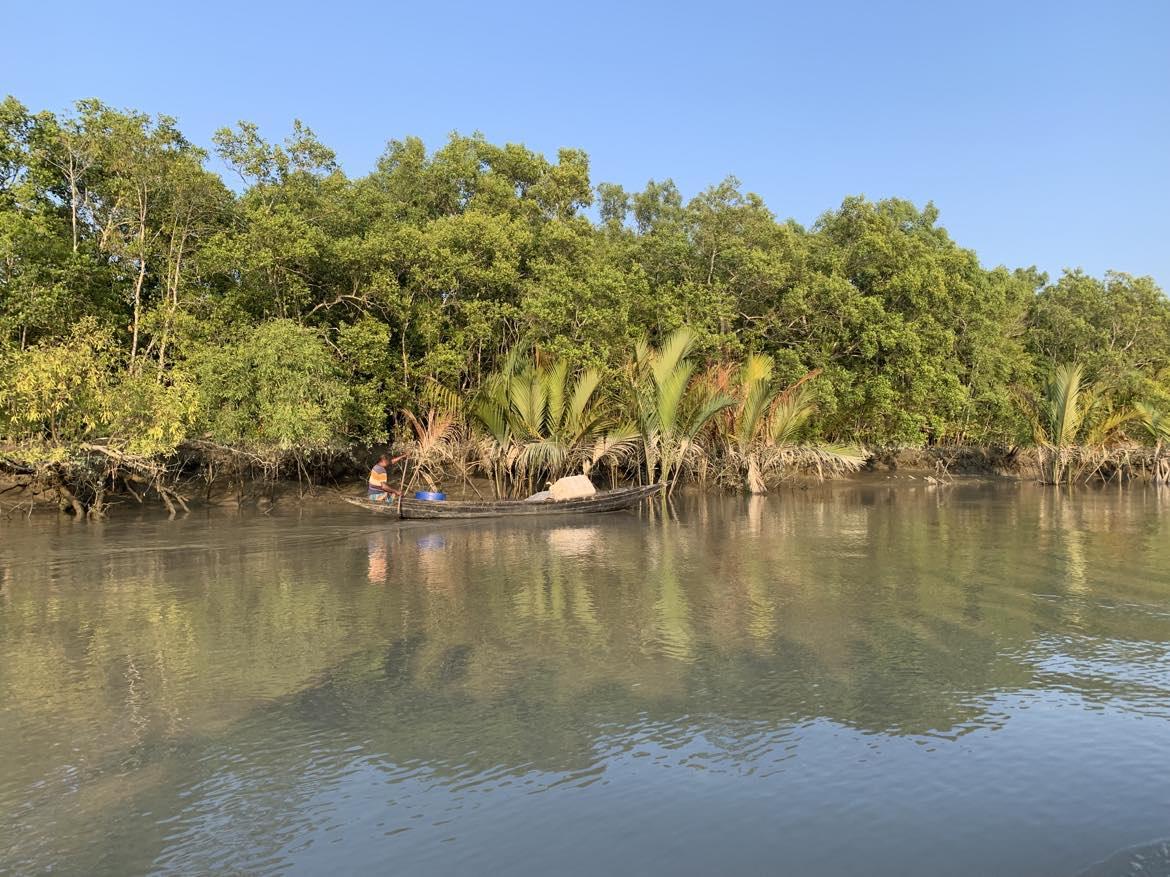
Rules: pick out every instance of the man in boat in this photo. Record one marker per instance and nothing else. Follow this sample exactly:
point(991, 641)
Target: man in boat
point(378, 488)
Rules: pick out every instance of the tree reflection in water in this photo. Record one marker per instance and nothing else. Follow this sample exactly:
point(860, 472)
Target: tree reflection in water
point(474, 652)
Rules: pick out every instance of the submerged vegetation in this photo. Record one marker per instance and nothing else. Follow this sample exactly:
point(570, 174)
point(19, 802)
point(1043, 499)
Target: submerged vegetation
point(511, 319)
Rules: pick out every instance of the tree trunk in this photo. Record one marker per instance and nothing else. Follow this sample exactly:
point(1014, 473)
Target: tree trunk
point(172, 296)
point(755, 480)
point(141, 280)
point(137, 310)
point(73, 196)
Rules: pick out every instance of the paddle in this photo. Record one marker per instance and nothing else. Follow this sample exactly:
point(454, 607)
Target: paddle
point(402, 485)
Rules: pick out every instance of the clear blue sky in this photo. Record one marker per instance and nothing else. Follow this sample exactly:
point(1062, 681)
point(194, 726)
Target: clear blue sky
point(1040, 129)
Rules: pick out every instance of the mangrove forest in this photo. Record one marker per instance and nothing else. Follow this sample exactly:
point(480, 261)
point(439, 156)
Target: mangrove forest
point(172, 313)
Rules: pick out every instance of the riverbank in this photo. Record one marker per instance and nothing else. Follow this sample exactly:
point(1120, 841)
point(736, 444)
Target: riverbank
point(92, 481)
point(199, 483)
point(196, 479)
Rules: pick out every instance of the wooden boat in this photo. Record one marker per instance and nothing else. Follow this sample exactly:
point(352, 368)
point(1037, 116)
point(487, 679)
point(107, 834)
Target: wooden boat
point(606, 501)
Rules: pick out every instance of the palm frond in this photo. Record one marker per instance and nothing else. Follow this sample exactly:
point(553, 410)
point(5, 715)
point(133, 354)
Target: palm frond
point(1108, 429)
point(707, 408)
point(555, 379)
point(671, 389)
point(582, 396)
point(438, 396)
point(493, 416)
point(675, 348)
point(757, 394)
point(757, 368)
point(1154, 422)
point(790, 412)
point(528, 398)
point(1061, 409)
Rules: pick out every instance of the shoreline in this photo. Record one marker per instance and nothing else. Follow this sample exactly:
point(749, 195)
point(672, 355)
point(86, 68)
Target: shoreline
point(262, 496)
point(256, 491)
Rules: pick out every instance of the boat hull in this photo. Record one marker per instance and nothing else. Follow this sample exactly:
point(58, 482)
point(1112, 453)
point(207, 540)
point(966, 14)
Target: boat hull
point(417, 509)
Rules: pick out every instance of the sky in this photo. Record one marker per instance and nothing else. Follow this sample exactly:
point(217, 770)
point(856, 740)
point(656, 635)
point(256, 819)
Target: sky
point(1041, 130)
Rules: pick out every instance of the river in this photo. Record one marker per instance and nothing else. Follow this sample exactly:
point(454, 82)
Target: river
point(856, 679)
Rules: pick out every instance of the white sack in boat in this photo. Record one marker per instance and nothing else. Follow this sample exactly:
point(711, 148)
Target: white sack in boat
point(572, 487)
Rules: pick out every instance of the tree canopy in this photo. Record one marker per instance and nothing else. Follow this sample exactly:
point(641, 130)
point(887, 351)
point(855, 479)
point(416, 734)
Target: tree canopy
point(299, 307)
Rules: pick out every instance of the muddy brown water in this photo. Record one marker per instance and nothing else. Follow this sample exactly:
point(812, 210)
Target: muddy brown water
point(862, 679)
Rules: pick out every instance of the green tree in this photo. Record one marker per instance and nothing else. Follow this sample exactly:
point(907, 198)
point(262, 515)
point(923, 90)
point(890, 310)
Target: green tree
point(1116, 327)
point(277, 389)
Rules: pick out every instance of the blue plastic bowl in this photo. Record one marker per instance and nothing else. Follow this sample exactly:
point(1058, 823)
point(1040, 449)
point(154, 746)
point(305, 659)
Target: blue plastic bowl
point(429, 495)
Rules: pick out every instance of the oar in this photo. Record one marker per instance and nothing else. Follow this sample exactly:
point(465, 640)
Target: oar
point(402, 486)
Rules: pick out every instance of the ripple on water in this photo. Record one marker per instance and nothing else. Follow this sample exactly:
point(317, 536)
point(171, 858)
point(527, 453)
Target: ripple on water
point(1123, 674)
point(1147, 860)
point(852, 681)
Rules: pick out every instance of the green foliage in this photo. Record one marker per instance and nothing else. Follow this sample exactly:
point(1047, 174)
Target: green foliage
point(756, 391)
point(279, 387)
point(669, 408)
point(365, 352)
point(57, 396)
point(141, 297)
point(543, 421)
point(763, 437)
point(1156, 424)
point(1072, 413)
point(60, 392)
point(1117, 328)
point(1063, 408)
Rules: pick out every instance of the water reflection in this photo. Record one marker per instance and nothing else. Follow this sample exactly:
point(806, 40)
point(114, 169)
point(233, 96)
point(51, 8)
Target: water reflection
point(214, 695)
point(378, 548)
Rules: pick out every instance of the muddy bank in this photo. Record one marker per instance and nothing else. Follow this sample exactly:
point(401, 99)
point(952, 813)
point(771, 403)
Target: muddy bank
point(200, 483)
point(95, 482)
point(940, 462)
point(26, 497)
point(206, 482)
